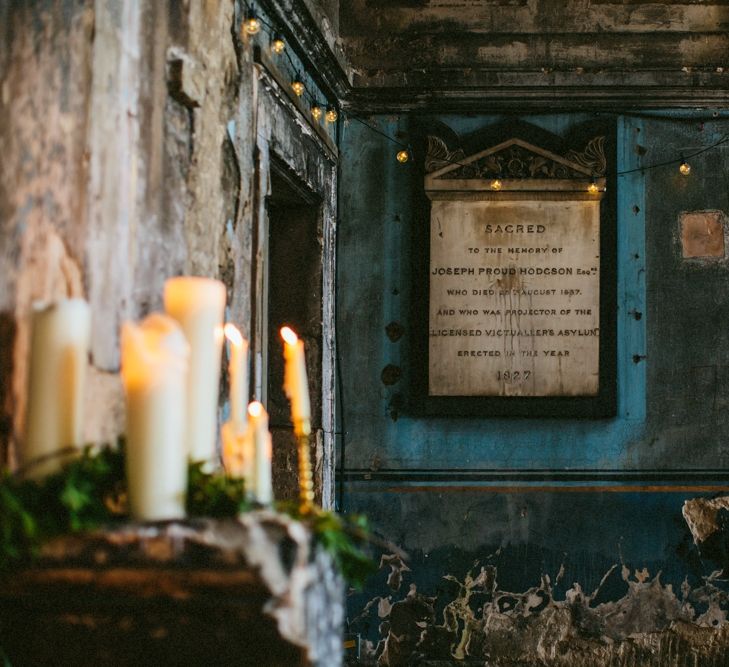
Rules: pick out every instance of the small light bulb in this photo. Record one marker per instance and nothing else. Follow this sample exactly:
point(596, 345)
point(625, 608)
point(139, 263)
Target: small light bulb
point(316, 111)
point(278, 45)
point(592, 188)
point(251, 24)
point(298, 86)
point(496, 184)
point(403, 156)
point(684, 168)
point(331, 115)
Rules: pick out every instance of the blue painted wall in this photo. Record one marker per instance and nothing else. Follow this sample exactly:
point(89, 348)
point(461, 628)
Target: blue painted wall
point(374, 289)
point(531, 496)
point(687, 305)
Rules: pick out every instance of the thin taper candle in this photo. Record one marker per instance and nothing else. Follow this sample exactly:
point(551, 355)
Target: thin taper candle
point(237, 373)
point(296, 384)
point(262, 451)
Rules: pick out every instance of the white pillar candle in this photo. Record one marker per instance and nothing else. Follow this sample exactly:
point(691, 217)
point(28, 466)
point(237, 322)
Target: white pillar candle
point(154, 370)
point(198, 304)
point(296, 385)
point(237, 373)
point(238, 455)
point(262, 451)
point(58, 361)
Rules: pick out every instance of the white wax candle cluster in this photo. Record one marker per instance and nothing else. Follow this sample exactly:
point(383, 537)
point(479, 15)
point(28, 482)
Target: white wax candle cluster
point(170, 372)
point(246, 440)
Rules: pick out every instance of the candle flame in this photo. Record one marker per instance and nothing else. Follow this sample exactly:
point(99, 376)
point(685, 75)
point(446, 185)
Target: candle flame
point(233, 334)
point(255, 409)
point(289, 335)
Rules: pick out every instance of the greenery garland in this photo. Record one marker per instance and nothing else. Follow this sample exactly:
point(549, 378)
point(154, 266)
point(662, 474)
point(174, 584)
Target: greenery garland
point(89, 492)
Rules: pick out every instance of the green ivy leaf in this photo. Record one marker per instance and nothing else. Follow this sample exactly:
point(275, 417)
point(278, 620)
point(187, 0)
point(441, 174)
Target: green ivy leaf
point(85, 493)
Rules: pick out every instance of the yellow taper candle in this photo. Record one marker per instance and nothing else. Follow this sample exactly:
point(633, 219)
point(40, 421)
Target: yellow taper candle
point(198, 304)
point(295, 382)
point(58, 360)
point(154, 370)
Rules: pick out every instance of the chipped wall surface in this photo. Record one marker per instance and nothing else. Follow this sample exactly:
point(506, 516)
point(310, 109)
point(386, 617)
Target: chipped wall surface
point(136, 140)
point(502, 577)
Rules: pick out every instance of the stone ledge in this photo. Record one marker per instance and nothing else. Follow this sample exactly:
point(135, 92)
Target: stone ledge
point(247, 591)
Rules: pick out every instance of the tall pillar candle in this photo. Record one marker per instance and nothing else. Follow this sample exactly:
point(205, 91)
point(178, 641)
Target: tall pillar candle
point(154, 370)
point(237, 373)
point(198, 304)
point(262, 452)
point(58, 360)
point(296, 385)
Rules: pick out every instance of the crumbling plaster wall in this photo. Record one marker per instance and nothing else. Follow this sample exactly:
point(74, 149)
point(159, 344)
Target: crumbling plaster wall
point(116, 172)
point(130, 148)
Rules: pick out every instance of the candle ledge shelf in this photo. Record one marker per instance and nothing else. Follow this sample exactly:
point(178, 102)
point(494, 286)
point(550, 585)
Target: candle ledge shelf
point(254, 590)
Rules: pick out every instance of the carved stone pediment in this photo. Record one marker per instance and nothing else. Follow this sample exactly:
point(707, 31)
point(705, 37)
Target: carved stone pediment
point(514, 159)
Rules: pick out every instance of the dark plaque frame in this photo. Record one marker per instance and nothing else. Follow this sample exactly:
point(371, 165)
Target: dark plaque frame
point(448, 148)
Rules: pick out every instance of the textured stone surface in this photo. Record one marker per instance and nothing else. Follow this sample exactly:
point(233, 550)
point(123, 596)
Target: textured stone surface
point(420, 53)
point(137, 144)
point(250, 591)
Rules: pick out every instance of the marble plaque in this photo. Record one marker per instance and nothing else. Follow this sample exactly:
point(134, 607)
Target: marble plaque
point(514, 297)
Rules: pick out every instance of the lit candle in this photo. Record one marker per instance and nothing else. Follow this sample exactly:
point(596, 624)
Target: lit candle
point(237, 373)
point(57, 378)
point(238, 457)
point(262, 451)
point(154, 369)
point(295, 382)
point(198, 304)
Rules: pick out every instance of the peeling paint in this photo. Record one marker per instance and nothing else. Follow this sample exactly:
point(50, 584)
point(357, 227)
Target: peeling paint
point(649, 625)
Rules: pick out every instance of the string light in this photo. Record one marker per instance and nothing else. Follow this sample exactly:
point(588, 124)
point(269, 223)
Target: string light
point(251, 24)
point(297, 85)
point(277, 44)
point(496, 184)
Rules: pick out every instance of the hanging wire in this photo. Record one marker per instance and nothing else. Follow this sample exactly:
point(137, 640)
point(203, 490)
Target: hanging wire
point(387, 136)
point(724, 139)
point(300, 71)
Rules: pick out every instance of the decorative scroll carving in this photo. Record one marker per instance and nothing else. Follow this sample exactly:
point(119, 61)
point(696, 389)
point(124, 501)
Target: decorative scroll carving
point(517, 161)
point(593, 157)
point(438, 156)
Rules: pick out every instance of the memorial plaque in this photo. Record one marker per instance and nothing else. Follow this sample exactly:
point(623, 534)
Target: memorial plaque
point(515, 273)
point(514, 298)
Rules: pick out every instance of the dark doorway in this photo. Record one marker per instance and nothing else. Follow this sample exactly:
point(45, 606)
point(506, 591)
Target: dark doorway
point(294, 298)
